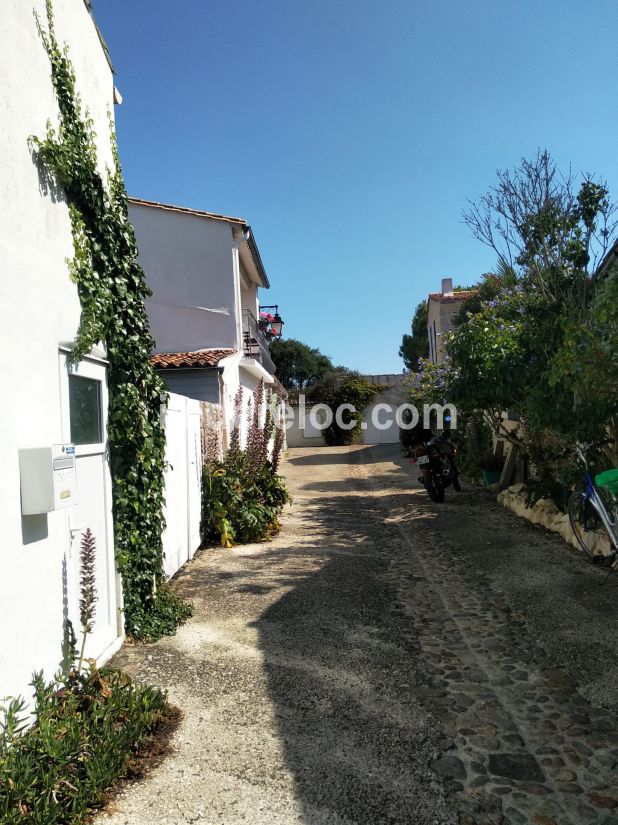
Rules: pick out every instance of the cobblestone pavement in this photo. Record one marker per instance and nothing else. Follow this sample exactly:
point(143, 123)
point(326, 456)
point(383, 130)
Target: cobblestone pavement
point(386, 660)
point(525, 745)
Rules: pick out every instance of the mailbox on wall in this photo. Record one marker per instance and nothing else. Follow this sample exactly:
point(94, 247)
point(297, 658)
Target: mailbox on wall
point(48, 478)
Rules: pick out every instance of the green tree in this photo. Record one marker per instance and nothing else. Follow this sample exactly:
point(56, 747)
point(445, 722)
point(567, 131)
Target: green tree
point(548, 233)
point(343, 386)
point(298, 365)
point(416, 345)
point(540, 338)
point(588, 355)
point(540, 223)
point(488, 287)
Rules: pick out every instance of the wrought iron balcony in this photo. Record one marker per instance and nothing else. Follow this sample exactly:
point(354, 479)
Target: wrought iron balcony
point(255, 342)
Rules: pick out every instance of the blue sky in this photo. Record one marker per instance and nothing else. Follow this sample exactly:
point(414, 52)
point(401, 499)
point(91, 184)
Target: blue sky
point(350, 133)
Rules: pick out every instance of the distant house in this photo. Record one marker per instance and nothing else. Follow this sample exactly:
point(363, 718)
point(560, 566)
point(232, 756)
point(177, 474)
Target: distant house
point(441, 309)
point(609, 264)
point(205, 272)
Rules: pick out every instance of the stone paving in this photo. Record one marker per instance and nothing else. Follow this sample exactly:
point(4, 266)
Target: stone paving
point(370, 667)
point(524, 745)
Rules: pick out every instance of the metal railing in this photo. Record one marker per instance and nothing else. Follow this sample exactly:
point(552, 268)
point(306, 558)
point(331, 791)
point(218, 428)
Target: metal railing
point(255, 342)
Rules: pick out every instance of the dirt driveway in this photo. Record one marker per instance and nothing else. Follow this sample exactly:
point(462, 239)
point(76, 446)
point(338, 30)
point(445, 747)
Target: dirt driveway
point(387, 660)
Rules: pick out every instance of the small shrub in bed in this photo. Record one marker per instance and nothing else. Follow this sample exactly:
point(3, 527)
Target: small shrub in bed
point(87, 728)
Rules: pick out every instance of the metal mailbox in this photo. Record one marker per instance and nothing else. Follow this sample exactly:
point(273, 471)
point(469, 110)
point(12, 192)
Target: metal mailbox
point(48, 478)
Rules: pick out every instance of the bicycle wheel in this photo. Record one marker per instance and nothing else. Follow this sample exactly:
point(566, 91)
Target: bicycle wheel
point(584, 520)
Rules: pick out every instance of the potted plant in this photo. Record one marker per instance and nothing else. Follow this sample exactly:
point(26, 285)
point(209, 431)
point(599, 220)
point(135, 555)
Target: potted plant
point(491, 467)
point(265, 324)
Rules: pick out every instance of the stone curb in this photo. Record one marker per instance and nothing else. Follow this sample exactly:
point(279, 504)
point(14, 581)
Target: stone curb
point(546, 514)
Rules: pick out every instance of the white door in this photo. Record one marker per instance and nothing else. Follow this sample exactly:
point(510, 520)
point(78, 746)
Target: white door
point(175, 547)
point(84, 417)
point(181, 536)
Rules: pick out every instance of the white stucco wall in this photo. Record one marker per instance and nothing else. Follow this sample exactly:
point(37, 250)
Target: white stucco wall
point(39, 308)
point(249, 294)
point(307, 436)
point(189, 266)
point(235, 375)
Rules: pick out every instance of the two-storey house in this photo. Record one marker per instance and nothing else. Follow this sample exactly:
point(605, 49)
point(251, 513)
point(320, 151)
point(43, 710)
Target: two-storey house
point(205, 273)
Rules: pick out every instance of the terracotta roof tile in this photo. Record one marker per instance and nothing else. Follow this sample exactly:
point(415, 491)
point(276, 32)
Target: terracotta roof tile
point(457, 295)
point(190, 360)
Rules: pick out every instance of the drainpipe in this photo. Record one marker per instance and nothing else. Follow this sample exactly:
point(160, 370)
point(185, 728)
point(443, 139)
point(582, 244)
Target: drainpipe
point(223, 401)
point(239, 236)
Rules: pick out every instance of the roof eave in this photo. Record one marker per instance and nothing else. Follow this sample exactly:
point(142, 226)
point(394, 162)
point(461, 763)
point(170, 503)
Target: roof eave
point(88, 4)
point(257, 260)
point(184, 210)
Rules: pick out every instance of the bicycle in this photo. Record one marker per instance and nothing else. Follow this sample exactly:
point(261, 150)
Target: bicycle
point(592, 510)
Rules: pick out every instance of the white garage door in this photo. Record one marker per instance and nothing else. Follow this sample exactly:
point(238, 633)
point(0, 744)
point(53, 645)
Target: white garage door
point(373, 434)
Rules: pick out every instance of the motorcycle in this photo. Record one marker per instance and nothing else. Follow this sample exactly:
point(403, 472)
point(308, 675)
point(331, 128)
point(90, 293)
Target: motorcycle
point(436, 461)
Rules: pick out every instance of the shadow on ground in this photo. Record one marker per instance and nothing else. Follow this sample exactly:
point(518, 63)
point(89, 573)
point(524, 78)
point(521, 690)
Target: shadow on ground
point(347, 685)
point(343, 679)
point(316, 457)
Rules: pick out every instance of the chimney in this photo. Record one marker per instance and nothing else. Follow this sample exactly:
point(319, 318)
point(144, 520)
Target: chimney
point(447, 286)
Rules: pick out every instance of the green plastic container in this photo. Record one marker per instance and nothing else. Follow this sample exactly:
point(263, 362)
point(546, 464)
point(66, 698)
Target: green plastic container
point(609, 480)
point(491, 476)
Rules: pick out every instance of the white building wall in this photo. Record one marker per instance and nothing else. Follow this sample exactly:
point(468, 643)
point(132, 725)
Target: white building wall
point(39, 308)
point(249, 294)
point(189, 266)
point(234, 376)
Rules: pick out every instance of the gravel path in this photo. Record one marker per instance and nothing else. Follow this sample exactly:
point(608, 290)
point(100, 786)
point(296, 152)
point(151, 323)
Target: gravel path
point(386, 660)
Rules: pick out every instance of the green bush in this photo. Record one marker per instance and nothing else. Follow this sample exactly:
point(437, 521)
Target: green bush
point(87, 728)
point(473, 440)
point(162, 617)
point(242, 496)
point(239, 506)
point(343, 386)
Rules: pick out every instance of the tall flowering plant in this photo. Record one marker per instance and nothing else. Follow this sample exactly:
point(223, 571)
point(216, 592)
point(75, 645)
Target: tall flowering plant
point(431, 384)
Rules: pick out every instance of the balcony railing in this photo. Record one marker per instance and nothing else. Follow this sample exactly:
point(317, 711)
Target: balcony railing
point(255, 342)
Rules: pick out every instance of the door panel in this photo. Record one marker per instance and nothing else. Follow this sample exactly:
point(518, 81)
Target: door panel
point(181, 537)
point(175, 535)
point(84, 414)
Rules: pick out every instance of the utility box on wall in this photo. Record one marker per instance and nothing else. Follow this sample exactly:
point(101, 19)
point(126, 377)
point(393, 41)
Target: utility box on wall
point(48, 478)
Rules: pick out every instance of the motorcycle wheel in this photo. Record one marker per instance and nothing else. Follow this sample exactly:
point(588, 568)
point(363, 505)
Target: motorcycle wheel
point(433, 487)
point(456, 484)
